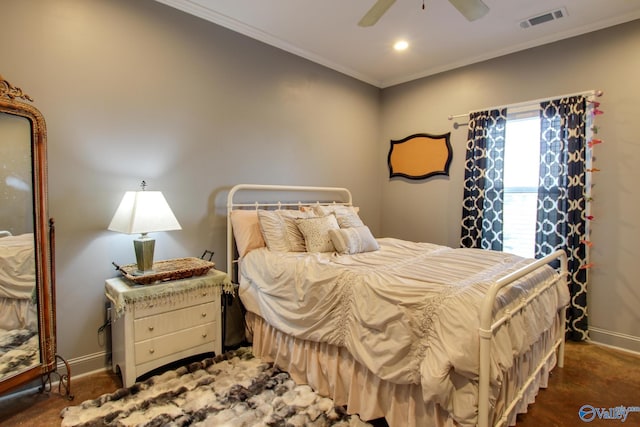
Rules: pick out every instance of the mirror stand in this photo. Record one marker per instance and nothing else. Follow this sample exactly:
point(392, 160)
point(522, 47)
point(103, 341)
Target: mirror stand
point(64, 379)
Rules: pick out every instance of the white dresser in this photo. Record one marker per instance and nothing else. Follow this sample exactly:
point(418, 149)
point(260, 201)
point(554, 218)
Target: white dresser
point(153, 325)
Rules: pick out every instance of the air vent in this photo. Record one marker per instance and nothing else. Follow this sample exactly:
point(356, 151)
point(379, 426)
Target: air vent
point(544, 17)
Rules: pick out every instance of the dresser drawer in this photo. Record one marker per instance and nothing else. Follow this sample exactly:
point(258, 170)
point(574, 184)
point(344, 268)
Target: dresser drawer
point(166, 345)
point(195, 297)
point(158, 324)
point(173, 321)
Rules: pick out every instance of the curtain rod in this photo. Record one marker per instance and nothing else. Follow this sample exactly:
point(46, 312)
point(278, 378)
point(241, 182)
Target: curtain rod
point(596, 93)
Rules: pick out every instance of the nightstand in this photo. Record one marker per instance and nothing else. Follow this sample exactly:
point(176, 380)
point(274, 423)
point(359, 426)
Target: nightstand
point(153, 325)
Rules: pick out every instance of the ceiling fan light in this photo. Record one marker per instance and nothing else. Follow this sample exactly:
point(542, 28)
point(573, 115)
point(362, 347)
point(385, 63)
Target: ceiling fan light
point(471, 9)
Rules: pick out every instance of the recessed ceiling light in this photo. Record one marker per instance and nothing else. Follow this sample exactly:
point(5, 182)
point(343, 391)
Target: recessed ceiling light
point(401, 45)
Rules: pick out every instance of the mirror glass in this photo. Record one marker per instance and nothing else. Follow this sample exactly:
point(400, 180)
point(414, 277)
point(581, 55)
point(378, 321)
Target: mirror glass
point(19, 350)
point(27, 286)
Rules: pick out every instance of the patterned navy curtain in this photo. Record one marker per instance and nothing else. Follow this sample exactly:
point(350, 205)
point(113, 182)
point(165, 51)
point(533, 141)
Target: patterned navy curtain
point(561, 222)
point(483, 200)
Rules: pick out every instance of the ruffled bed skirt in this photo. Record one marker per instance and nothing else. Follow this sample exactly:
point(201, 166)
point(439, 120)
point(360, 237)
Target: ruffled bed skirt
point(332, 371)
point(18, 314)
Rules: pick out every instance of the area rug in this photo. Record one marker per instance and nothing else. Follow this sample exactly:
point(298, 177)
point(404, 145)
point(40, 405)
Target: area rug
point(234, 389)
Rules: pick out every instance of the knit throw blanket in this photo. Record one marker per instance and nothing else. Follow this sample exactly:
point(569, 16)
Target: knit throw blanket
point(234, 389)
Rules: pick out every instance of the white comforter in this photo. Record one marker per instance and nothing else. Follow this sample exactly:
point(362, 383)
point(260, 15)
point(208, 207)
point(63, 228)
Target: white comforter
point(409, 312)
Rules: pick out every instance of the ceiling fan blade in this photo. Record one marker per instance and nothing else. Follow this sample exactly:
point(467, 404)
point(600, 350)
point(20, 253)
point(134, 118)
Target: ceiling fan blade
point(471, 9)
point(375, 13)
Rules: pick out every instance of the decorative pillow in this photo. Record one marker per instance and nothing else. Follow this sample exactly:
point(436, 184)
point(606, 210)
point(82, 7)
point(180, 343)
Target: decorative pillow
point(347, 216)
point(353, 240)
point(316, 232)
point(280, 231)
point(246, 230)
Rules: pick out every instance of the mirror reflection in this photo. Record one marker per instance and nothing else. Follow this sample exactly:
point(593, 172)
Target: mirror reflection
point(19, 341)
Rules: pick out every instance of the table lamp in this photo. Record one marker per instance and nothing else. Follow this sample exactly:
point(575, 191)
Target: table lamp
point(143, 212)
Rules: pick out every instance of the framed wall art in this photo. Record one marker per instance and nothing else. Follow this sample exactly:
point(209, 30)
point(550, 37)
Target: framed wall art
point(420, 156)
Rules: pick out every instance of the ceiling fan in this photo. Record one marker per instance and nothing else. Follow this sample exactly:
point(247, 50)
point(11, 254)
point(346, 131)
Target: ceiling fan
point(470, 9)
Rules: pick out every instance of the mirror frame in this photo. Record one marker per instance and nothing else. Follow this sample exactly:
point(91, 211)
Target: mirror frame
point(10, 103)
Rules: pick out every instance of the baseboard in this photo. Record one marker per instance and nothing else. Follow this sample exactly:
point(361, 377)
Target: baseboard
point(615, 340)
point(79, 366)
point(87, 364)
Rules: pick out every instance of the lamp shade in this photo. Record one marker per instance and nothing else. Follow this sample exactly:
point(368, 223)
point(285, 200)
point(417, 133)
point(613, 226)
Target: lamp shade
point(143, 212)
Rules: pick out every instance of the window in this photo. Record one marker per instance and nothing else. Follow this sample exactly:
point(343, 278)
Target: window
point(506, 206)
point(521, 176)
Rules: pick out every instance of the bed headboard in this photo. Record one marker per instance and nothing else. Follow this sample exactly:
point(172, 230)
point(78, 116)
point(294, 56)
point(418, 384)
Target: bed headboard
point(260, 196)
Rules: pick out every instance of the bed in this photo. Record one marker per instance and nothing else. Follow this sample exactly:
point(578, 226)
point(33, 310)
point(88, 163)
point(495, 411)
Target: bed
point(19, 345)
point(417, 333)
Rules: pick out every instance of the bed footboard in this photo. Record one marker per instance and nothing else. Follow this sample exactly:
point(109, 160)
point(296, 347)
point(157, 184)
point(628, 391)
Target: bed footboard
point(489, 325)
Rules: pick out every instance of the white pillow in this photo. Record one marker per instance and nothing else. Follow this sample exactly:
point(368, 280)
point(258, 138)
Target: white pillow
point(246, 230)
point(316, 232)
point(353, 240)
point(347, 216)
point(280, 231)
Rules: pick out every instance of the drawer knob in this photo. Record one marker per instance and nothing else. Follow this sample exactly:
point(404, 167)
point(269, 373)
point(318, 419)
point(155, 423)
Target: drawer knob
point(151, 351)
point(204, 314)
point(204, 335)
point(151, 328)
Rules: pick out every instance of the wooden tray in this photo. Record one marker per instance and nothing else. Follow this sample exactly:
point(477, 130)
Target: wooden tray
point(172, 269)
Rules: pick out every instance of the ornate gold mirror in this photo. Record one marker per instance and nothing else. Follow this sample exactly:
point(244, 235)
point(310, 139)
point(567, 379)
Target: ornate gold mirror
point(27, 302)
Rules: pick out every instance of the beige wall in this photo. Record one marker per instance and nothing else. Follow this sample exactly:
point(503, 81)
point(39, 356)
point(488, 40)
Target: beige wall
point(135, 90)
point(431, 210)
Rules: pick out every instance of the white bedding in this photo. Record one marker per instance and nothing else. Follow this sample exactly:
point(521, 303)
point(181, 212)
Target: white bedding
point(408, 312)
point(17, 267)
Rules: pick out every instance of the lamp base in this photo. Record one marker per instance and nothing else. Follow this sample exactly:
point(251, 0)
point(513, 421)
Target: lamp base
point(144, 247)
point(142, 273)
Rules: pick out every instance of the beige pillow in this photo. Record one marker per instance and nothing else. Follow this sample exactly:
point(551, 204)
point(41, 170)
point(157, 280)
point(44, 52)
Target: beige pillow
point(347, 216)
point(353, 240)
point(246, 230)
point(280, 231)
point(316, 232)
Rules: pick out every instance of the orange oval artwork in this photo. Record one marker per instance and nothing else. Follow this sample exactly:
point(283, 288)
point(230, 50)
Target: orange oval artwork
point(420, 156)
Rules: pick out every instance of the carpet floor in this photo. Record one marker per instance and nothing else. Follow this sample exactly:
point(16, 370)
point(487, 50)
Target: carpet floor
point(593, 375)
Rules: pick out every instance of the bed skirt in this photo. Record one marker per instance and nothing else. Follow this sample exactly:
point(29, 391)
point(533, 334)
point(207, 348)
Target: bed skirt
point(18, 314)
point(332, 371)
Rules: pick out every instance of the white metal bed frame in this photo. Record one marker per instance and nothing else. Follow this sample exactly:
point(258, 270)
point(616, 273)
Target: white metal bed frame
point(488, 325)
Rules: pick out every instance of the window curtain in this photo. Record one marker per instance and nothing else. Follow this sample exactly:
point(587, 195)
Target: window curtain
point(482, 205)
point(561, 222)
